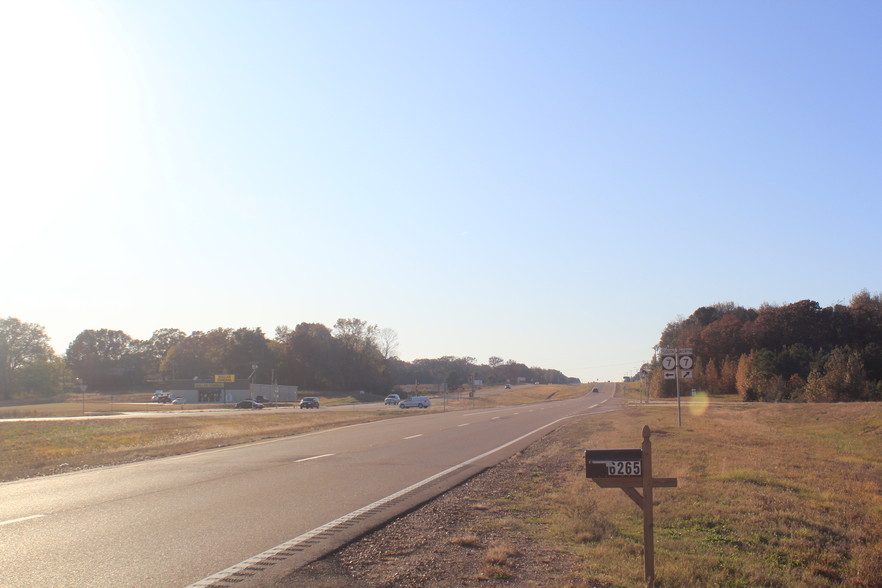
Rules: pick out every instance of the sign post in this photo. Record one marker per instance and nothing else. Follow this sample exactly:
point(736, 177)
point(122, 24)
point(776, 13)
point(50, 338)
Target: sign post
point(630, 469)
point(677, 364)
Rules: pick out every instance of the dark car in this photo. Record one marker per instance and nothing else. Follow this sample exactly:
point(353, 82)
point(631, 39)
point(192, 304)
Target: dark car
point(309, 402)
point(248, 403)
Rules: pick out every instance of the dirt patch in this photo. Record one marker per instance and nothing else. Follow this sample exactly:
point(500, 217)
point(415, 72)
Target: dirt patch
point(470, 536)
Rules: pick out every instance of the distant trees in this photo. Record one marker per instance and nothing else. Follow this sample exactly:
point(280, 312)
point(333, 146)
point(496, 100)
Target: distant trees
point(352, 355)
point(798, 351)
point(27, 363)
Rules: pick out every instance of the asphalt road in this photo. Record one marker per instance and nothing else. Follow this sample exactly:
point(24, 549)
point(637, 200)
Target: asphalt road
point(246, 515)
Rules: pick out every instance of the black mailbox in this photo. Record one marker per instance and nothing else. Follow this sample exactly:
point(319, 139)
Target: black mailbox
point(613, 463)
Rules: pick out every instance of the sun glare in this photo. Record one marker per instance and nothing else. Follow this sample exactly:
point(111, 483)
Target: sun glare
point(57, 110)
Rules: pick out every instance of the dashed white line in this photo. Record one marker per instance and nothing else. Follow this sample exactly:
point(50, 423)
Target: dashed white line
point(414, 436)
point(19, 520)
point(314, 457)
point(223, 576)
point(464, 425)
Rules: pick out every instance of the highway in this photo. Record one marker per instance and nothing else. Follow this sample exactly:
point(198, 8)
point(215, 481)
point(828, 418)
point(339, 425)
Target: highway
point(246, 515)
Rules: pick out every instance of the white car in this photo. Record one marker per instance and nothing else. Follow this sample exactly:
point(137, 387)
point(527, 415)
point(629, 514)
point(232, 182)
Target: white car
point(392, 399)
point(416, 401)
point(179, 401)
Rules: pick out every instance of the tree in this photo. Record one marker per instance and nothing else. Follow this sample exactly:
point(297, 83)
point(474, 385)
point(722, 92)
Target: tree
point(156, 348)
point(387, 340)
point(245, 348)
point(26, 359)
point(102, 359)
point(311, 358)
point(841, 378)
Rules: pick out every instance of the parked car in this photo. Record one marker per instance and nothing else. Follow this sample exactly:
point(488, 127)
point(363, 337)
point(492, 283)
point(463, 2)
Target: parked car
point(508, 386)
point(309, 402)
point(161, 398)
point(392, 399)
point(248, 403)
point(179, 401)
point(418, 401)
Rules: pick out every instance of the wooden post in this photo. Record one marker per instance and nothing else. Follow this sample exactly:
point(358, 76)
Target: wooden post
point(648, 523)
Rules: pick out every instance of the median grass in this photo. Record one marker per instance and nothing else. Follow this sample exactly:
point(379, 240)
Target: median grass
point(50, 447)
point(769, 495)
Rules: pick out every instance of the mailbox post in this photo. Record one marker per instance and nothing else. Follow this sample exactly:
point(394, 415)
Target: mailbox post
point(630, 469)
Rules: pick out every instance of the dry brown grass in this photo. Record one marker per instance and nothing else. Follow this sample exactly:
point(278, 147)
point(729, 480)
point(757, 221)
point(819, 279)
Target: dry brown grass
point(769, 495)
point(466, 541)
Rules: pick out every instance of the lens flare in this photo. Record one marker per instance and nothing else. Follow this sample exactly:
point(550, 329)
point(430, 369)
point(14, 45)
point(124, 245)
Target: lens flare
point(699, 403)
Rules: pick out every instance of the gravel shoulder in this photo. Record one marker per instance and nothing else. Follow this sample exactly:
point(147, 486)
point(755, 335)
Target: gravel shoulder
point(477, 534)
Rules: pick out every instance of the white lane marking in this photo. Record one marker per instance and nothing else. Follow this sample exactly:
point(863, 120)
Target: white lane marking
point(221, 576)
point(414, 436)
point(19, 520)
point(314, 457)
point(494, 418)
point(464, 425)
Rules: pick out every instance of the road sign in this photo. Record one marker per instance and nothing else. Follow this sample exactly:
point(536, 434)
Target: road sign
point(669, 362)
point(676, 351)
point(686, 374)
point(670, 375)
point(218, 378)
point(686, 362)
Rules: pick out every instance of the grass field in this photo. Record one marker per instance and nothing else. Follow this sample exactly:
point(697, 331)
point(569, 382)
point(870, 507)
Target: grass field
point(769, 495)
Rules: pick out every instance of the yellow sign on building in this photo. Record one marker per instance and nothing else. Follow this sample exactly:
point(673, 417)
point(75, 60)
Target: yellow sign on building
point(224, 378)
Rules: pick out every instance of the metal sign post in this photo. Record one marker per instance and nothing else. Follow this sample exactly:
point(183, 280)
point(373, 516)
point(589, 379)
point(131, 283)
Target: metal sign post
point(630, 469)
point(677, 364)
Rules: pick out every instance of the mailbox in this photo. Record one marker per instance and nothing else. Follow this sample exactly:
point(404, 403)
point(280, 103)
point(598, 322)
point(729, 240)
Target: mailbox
point(613, 463)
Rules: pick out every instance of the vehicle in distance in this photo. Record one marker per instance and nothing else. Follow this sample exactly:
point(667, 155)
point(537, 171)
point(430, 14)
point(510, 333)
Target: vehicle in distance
point(392, 399)
point(418, 401)
point(309, 402)
point(595, 391)
point(508, 386)
point(162, 398)
point(179, 401)
point(248, 403)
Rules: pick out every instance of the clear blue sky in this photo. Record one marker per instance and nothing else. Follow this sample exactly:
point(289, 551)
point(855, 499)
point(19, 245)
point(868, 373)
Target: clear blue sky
point(549, 182)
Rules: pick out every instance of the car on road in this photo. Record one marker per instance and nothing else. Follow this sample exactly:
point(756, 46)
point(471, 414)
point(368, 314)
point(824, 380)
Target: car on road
point(179, 401)
point(595, 391)
point(508, 386)
point(416, 401)
point(248, 403)
point(309, 402)
point(392, 399)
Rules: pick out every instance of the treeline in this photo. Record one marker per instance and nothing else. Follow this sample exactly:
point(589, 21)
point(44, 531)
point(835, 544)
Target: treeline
point(352, 355)
point(794, 352)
